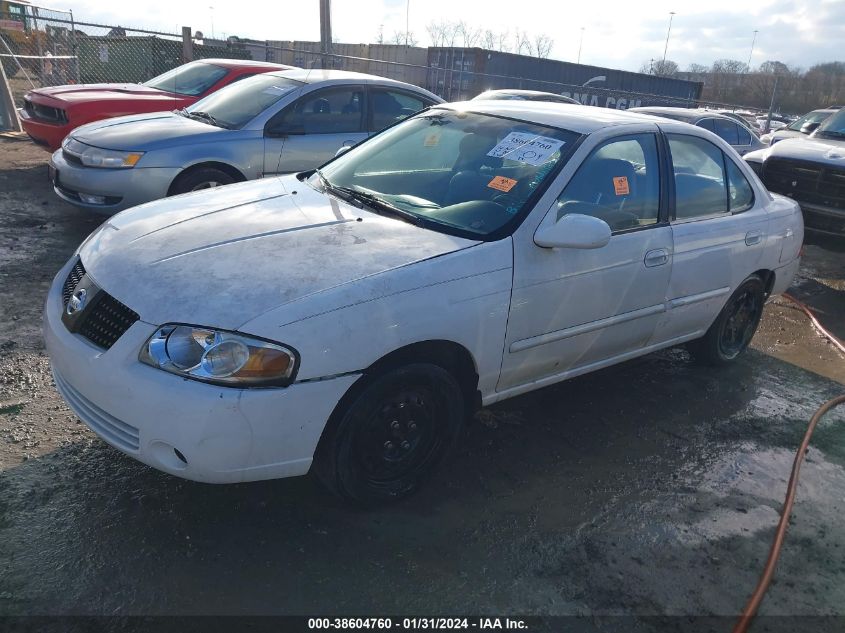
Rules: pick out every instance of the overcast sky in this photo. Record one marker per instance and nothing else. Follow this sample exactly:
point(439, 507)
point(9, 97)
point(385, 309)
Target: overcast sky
point(618, 34)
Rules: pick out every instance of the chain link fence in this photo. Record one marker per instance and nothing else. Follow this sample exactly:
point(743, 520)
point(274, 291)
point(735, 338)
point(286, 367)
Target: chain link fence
point(44, 47)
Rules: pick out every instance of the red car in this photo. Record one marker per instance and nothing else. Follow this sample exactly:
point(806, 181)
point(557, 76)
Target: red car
point(50, 114)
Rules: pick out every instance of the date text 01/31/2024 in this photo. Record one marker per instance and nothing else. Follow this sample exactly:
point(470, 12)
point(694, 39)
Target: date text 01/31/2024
point(417, 623)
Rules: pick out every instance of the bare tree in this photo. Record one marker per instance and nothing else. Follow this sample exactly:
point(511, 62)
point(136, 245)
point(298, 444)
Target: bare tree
point(503, 41)
point(436, 33)
point(380, 34)
point(543, 45)
point(522, 43)
point(697, 69)
point(469, 34)
point(659, 67)
point(728, 67)
point(403, 38)
point(488, 40)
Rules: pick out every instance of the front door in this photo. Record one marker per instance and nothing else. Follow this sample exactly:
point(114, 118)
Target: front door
point(310, 130)
point(575, 308)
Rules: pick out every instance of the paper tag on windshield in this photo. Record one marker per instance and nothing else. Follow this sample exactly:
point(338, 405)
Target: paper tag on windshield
point(526, 148)
point(277, 90)
point(620, 185)
point(432, 140)
point(502, 184)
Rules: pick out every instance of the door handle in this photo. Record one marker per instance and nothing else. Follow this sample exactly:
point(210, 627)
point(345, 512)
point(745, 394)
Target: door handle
point(656, 257)
point(753, 237)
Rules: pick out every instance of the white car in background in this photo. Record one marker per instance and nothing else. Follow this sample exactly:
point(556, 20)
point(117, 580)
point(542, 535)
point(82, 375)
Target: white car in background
point(800, 128)
point(349, 318)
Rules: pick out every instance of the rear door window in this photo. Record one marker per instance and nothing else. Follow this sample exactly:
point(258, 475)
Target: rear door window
point(727, 130)
point(391, 106)
point(699, 168)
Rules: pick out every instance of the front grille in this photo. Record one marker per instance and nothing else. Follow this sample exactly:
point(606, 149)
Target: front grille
point(107, 320)
point(76, 273)
point(805, 181)
point(44, 113)
point(122, 435)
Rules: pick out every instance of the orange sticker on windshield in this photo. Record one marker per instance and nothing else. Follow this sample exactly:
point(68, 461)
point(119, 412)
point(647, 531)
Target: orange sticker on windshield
point(432, 140)
point(620, 185)
point(501, 183)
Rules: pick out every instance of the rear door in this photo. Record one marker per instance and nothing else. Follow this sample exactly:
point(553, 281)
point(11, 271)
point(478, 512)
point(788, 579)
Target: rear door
point(309, 131)
point(391, 105)
point(718, 231)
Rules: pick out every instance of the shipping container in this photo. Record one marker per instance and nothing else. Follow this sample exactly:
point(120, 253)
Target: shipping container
point(462, 73)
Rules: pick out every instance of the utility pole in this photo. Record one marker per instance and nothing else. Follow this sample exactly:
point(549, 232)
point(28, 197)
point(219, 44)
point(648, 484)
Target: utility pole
point(211, 12)
point(665, 48)
point(771, 106)
point(580, 44)
point(753, 41)
point(325, 30)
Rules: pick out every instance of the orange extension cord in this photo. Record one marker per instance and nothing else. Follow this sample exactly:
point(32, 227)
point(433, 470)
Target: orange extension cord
point(750, 610)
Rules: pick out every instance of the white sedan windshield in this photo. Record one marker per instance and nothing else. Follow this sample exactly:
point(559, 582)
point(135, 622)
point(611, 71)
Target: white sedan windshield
point(472, 173)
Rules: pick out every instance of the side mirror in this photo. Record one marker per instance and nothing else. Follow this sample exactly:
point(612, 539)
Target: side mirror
point(574, 231)
point(341, 149)
point(809, 128)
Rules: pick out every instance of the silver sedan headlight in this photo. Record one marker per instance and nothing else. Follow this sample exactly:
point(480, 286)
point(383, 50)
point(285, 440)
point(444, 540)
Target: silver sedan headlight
point(103, 158)
point(219, 357)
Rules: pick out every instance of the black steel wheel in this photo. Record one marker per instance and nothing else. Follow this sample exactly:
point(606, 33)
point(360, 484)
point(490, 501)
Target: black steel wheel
point(380, 446)
point(733, 329)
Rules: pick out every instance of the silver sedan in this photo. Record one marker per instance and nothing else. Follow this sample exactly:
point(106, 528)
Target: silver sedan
point(274, 123)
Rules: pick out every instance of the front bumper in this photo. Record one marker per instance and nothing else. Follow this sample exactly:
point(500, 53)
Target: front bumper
point(122, 188)
point(46, 135)
point(223, 435)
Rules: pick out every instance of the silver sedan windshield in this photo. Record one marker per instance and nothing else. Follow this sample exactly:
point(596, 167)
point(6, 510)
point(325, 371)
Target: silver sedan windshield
point(237, 104)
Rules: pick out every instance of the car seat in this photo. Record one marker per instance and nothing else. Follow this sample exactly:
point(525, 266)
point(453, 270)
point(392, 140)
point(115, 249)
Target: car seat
point(469, 183)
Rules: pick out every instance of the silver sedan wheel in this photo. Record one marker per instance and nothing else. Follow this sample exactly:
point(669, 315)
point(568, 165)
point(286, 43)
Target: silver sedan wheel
point(211, 184)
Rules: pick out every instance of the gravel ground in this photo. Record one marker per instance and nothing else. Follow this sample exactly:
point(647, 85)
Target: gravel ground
point(648, 489)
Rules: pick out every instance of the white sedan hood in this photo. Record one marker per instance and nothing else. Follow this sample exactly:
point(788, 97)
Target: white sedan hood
point(220, 258)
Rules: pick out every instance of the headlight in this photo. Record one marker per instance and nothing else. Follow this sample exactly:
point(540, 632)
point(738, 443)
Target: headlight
point(219, 357)
point(97, 157)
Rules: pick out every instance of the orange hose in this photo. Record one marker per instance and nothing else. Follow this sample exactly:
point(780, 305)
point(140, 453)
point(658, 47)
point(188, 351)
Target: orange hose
point(750, 610)
point(815, 322)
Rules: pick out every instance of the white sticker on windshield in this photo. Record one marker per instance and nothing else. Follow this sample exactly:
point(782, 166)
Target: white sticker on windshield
point(526, 148)
point(277, 90)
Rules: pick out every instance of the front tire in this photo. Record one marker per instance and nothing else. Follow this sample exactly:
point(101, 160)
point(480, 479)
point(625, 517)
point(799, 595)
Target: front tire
point(735, 326)
point(200, 179)
point(383, 443)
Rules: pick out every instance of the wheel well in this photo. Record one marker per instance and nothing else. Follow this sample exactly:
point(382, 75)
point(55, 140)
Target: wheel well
point(225, 168)
point(451, 356)
point(768, 277)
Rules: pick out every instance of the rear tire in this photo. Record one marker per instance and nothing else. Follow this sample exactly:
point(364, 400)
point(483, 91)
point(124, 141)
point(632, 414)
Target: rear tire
point(199, 179)
point(735, 326)
point(388, 439)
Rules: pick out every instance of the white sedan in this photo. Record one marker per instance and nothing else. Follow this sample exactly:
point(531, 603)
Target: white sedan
point(350, 318)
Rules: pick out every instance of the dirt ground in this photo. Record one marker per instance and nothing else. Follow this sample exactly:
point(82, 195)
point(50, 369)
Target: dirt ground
point(648, 489)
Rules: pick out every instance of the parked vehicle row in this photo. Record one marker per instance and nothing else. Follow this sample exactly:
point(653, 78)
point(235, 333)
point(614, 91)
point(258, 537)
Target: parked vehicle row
point(737, 135)
point(273, 123)
point(805, 125)
point(346, 319)
point(50, 114)
point(810, 170)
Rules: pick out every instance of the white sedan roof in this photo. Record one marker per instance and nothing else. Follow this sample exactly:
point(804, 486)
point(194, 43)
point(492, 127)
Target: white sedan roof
point(568, 116)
